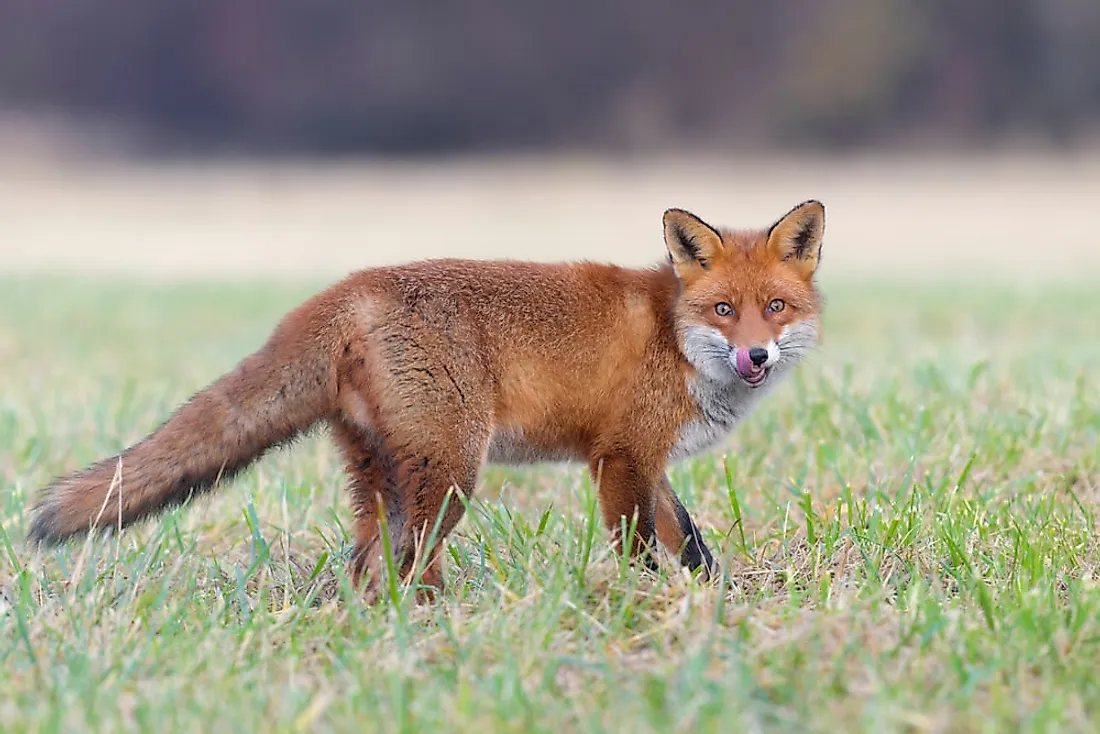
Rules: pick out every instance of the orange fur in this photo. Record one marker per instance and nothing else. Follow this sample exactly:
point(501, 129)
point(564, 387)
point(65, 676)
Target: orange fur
point(424, 372)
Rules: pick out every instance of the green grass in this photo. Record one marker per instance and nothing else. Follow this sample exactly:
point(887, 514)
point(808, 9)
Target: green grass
point(908, 525)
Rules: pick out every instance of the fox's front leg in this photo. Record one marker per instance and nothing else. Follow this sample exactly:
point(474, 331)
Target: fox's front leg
point(628, 496)
point(679, 533)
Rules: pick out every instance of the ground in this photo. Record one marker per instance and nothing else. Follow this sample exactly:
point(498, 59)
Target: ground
point(907, 526)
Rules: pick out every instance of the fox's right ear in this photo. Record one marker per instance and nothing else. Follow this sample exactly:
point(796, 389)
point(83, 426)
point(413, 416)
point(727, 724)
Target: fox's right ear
point(692, 243)
point(796, 238)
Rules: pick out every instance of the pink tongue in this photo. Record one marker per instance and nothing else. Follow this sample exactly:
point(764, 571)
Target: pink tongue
point(744, 364)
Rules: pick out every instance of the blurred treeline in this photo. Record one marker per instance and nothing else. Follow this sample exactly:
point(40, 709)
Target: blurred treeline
point(370, 76)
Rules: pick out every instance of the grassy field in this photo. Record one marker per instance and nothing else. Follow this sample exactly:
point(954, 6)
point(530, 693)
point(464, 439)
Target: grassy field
point(908, 526)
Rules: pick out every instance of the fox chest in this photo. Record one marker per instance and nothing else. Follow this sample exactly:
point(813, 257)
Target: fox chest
point(720, 407)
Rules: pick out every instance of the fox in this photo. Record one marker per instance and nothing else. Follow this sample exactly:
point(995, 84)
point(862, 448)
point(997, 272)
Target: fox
point(426, 371)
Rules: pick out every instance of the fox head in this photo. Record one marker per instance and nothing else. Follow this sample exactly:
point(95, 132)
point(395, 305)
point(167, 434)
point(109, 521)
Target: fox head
point(748, 304)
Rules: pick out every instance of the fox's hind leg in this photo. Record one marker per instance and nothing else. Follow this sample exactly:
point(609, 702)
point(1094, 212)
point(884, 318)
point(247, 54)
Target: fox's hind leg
point(430, 427)
point(368, 468)
point(426, 405)
point(412, 483)
point(435, 470)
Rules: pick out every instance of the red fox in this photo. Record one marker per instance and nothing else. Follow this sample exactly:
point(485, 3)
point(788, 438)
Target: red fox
point(424, 372)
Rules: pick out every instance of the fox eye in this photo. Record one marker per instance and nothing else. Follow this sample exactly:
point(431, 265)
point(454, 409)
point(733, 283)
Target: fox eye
point(776, 305)
point(723, 309)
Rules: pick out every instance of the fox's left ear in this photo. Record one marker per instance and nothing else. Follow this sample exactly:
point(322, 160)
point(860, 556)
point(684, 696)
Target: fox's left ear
point(796, 238)
point(693, 245)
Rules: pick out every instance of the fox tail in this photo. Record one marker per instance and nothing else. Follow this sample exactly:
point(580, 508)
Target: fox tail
point(269, 398)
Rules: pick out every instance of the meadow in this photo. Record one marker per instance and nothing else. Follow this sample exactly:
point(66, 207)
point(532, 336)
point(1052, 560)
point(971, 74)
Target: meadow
point(906, 527)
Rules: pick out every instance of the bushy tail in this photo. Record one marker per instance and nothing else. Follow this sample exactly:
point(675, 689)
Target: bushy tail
point(269, 398)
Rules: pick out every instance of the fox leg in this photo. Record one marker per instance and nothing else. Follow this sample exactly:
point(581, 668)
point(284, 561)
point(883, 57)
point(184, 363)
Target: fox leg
point(367, 466)
point(412, 484)
point(431, 468)
point(424, 404)
point(628, 495)
point(431, 436)
point(410, 480)
point(679, 533)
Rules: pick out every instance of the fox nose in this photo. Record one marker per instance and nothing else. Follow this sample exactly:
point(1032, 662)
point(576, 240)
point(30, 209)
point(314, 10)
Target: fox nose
point(758, 355)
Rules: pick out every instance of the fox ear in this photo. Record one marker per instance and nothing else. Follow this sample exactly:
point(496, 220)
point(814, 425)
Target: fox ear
point(796, 238)
point(692, 243)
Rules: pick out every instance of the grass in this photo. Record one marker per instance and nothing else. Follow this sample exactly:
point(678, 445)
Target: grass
point(908, 527)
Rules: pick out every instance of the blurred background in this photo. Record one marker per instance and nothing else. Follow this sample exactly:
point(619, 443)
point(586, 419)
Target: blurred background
point(263, 136)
